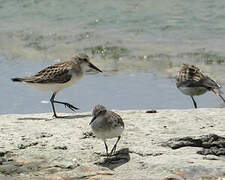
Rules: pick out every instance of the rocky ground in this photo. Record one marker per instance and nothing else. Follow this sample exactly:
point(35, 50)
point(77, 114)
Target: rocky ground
point(162, 144)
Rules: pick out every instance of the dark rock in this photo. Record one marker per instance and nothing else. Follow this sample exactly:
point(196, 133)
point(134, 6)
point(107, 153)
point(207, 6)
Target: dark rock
point(211, 144)
point(61, 147)
point(213, 150)
point(68, 167)
point(3, 153)
point(88, 134)
point(24, 146)
point(45, 134)
point(171, 178)
point(151, 111)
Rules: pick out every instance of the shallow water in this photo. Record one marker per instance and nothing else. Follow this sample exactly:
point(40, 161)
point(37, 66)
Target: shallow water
point(121, 91)
point(123, 36)
point(139, 45)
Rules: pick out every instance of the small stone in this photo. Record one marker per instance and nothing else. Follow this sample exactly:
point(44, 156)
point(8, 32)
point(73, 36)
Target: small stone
point(3, 153)
point(151, 111)
point(45, 134)
point(24, 146)
point(61, 147)
point(87, 134)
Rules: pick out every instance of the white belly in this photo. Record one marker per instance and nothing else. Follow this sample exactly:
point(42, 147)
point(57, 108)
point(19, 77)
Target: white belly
point(54, 87)
point(101, 134)
point(193, 91)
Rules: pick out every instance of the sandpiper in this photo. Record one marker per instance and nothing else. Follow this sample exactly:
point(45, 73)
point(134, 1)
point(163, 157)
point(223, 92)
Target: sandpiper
point(191, 81)
point(59, 76)
point(106, 125)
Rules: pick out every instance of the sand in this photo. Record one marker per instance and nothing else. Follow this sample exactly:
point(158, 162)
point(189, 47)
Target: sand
point(166, 144)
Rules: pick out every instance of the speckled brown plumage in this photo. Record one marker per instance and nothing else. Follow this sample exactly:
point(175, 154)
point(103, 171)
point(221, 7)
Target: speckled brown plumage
point(114, 119)
point(59, 76)
point(57, 73)
point(189, 73)
point(107, 125)
point(191, 81)
point(192, 76)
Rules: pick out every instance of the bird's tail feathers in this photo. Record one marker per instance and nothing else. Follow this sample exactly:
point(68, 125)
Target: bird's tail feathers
point(17, 79)
point(217, 91)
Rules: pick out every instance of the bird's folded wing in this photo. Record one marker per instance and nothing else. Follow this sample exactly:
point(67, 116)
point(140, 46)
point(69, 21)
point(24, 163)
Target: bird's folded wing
point(58, 73)
point(112, 116)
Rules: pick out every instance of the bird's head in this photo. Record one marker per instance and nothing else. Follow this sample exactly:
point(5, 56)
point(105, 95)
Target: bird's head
point(98, 111)
point(84, 62)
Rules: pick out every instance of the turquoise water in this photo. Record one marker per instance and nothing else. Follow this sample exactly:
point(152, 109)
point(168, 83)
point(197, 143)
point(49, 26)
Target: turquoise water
point(143, 36)
point(140, 39)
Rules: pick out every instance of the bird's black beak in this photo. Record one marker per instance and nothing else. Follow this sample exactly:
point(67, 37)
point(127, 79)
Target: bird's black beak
point(92, 120)
point(94, 67)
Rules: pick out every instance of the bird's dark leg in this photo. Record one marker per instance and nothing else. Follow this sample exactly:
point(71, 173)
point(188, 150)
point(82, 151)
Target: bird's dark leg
point(52, 100)
point(221, 97)
point(114, 147)
point(53, 107)
point(73, 108)
point(106, 149)
point(194, 102)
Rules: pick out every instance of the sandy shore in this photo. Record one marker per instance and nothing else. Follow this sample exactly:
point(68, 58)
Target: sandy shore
point(162, 145)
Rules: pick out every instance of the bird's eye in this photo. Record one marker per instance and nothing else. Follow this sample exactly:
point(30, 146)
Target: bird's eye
point(85, 60)
point(100, 112)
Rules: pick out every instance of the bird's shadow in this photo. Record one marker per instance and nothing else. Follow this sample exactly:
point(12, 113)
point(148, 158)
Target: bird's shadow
point(121, 157)
point(75, 116)
point(60, 117)
point(33, 119)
